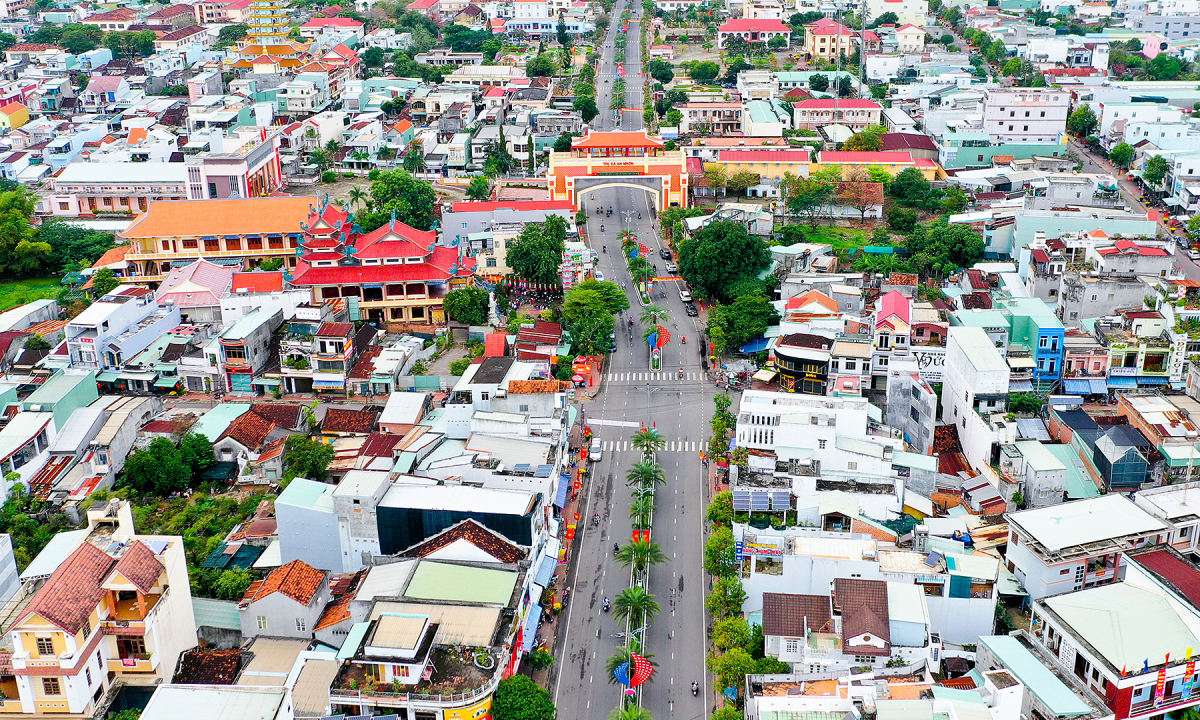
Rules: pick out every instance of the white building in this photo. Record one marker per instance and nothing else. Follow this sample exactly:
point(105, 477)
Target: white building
point(975, 394)
point(1025, 115)
point(907, 11)
point(1077, 545)
point(1041, 477)
point(116, 327)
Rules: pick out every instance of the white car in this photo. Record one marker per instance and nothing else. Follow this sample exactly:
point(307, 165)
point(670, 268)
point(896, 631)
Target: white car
point(598, 275)
point(1194, 254)
point(685, 296)
point(595, 450)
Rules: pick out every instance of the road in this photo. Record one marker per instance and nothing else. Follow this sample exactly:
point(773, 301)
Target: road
point(632, 395)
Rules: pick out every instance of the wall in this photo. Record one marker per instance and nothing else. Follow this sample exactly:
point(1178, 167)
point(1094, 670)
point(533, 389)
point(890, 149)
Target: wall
point(961, 620)
point(309, 535)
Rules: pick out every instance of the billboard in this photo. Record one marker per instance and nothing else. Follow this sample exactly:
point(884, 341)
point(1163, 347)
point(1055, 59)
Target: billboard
point(932, 363)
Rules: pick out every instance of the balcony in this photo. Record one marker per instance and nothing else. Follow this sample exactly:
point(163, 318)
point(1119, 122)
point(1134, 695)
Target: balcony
point(143, 663)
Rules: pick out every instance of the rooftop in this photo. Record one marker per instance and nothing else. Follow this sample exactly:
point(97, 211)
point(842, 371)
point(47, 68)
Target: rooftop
point(454, 582)
point(1085, 524)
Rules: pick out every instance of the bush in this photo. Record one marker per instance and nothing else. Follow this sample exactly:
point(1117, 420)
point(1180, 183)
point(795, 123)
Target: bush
point(328, 176)
point(902, 220)
point(459, 366)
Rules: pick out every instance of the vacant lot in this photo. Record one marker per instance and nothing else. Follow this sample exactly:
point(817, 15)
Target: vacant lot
point(19, 292)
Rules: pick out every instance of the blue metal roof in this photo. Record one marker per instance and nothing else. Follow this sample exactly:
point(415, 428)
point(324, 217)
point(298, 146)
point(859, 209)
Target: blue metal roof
point(564, 485)
point(1035, 676)
point(529, 635)
point(755, 346)
point(1123, 382)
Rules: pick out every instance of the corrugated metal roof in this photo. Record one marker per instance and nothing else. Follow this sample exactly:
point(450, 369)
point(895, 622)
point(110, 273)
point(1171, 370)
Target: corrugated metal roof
point(221, 614)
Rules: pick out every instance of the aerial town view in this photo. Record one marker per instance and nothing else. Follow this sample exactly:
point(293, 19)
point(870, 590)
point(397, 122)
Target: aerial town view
point(600, 360)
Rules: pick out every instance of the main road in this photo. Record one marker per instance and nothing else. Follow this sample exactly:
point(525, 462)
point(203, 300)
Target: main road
point(633, 395)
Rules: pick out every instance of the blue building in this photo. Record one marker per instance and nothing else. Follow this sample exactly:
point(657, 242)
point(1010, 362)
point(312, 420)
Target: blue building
point(1036, 329)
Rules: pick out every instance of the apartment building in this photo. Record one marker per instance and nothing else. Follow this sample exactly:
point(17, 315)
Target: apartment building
point(117, 327)
point(118, 609)
point(1025, 115)
point(85, 189)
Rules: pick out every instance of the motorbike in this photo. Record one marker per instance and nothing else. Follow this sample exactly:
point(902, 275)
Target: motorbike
point(639, 216)
point(605, 247)
point(602, 230)
point(695, 689)
point(680, 373)
point(683, 340)
point(596, 519)
point(616, 547)
point(605, 604)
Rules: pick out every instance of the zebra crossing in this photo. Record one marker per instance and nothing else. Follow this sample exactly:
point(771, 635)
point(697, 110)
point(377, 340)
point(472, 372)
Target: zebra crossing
point(671, 446)
point(651, 376)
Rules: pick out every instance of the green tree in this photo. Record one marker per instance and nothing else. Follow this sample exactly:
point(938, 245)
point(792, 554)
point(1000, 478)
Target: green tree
point(36, 342)
point(644, 473)
point(1121, 155)
point(536, 253)
point(104, 282)
point(230, 34)
point(719, 558)
point(479, 189)
point(943, 248)
point(735, 68)
point(648, 441)
point(80, 38)
point(777, 42)
point(704, 72)
point(586, 107)
point(720, 254)
point(373, 57)
point(674, 117)
point(635, 605)
point(1082, 122)
point(730, 633)
point(588, 312)
point(7, 40)
point(232, 584)
point(1164, 67)
point(912, 189)
point(955, 200)
point(731, 669)
point(630, 712)
point(809, 198)
point(742, 321)
point(661, 71)
point(197, 453)
point(519, 698)
point(720, 510)
point(307, 458)
point(467, 305)
point(159, 469)
point(1025, 403)
point(818, 82)
point(541, 66)
point(29, 257)
point(414, 158)
point(869, 139)
point(1155, 171)
point(727, 712)
point(564, 141)
point(398, 194)
point(640, 555)
point(726, 597)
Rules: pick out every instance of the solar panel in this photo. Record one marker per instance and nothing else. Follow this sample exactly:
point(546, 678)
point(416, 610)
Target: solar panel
point(741, 500)
point(543, 471)
point(760, 501)
point(934, 558)
point(524, 468)
point(781, 500)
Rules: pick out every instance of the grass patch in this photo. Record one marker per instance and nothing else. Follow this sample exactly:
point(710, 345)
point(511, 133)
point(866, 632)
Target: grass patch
point(842, 239)
point(19, 292)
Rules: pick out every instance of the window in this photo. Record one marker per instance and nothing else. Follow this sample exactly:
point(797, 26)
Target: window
point(1184, 532)
point(791, 645)
point(1064, 571)
point(262, 622)
point(851, 364)
point(820, 444)
point(50, 686)
point(864, 659)
point(45, 646)
point(299, 624)
point(484, 396)
point(851, 466)
point(87, 673)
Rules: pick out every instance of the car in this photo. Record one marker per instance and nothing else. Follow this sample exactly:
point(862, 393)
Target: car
point(1194, 254)
point(595, 450)
point(664, 253)
point(685, 296)
point(598, 275)
point(691, 310)
point(672, 267)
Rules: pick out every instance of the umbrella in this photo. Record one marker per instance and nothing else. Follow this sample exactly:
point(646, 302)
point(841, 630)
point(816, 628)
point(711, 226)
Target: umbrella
point(577, 378)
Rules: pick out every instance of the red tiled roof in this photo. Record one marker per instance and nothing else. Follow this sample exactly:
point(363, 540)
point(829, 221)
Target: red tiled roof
point(297, 580)
point(1040, 255)
point(1177, 572)
point(335, 612)
point(338, 420)
point(139, 566)
point(272, 450)
point(513, 205)
point(471, 531)
point(827, 26)
point(70, 595)
point(812, 296)
point(182, 33)
point(249, 429)
point(282, 414)
point(34, 47)
point(864, 606)
point(795, 615)
point(208, 666)
point(495, 344)
point(257, 282)
point(113, 255)
point(365, 365)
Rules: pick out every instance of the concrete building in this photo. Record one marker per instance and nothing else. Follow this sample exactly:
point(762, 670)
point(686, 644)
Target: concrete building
point(1077, 545)
point(117, 327)
point(85, 189)
point(287, 603)
point(911, 404)
point(1039, 475)
point(975, 394)
point(1026, 115)
point(308, 524)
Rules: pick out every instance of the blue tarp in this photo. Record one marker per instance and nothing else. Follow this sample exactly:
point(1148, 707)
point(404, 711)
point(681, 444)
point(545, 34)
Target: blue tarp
point(545, 570)
point(1077, 387)
point(564, 486)
point(1153, 380)
point(1020, 386)
point(529, 635)
point(755, 346)
point(1123, 382)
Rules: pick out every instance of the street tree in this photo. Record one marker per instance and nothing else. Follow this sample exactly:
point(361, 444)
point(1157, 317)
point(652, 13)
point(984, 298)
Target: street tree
point(636, 605)
point(640, 555)
point(741, 181)
point(468, 305)
point(730, 633)
point(104, 282)
point(731, 668)
point(649, 441)
point(719, 557)
point(536, 253)
point(645, 474)
point(479, 189)
point(718, 255)
point(586, 107)
point(1082, 122)
point(519, 698)
point(1121, 155)
point(1155, 172)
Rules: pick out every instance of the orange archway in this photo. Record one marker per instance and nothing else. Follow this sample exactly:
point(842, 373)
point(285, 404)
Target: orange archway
point(632, 159)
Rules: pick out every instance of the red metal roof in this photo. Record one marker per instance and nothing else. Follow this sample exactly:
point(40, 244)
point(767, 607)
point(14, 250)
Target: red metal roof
point(749, 25)
point(494, 345)
point(1180, 574)
point(855, 156)
point(1041, 256)
point(776, 156)
point(831, 103)
point(258, 282)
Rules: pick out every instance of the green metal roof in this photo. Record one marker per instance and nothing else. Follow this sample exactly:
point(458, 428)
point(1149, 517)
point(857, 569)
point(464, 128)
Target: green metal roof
point(216, 613)
point(1079, 485)
point(1054, 693)
point(461, 583)
point(302, 492)
point(214, 422)
point(353, 640)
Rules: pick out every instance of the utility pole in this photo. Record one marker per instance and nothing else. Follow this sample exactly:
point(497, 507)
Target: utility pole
point(862, 47)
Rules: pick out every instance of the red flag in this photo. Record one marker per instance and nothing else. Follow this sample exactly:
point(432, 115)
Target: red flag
point(1123, 670)
point(637, 535)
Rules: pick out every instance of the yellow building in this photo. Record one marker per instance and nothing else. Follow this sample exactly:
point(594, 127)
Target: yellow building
point(13, 116)
point(854, 165)
point(767, 164)
point(117, 609)
point(630, 159)
point(826, 38)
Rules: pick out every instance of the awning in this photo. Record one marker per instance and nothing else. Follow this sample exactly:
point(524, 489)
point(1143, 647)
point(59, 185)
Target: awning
point(1153, 380)
point(1171, 201)
point(755, 346)
point(108, 376)
point(529, 633)
point(545, 570)
point(1178, 385)
point(1125, 383)
point(266, 382)
point(164, 367)
point(1021, 362)
point(1099, 387)
point(1020, 386)
point(1077, 387)
point(328, 384)
point(564, 486)
point(167, 381)
point(144, 376)
point(765, 375)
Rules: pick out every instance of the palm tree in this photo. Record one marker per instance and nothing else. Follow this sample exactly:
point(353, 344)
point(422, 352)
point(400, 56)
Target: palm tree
point(647, 439)
point(640, 555)
point(640, 268)
point(332, 147)
point(358, 196)
point(641, 507)
point(632, 712)
point(635, 605)
point(645, 474)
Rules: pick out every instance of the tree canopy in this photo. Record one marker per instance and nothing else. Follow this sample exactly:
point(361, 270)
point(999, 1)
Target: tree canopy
point(468, 305)
point(910, 188)
point(396, 192)
point(1121, 155)
point(943, 248)
point(306, 458)
point(536, 253)
point(588, 310)
point(1082, 122)
point(732, 326)
point(720, 254)
point(159, 469)
point(519, 698)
